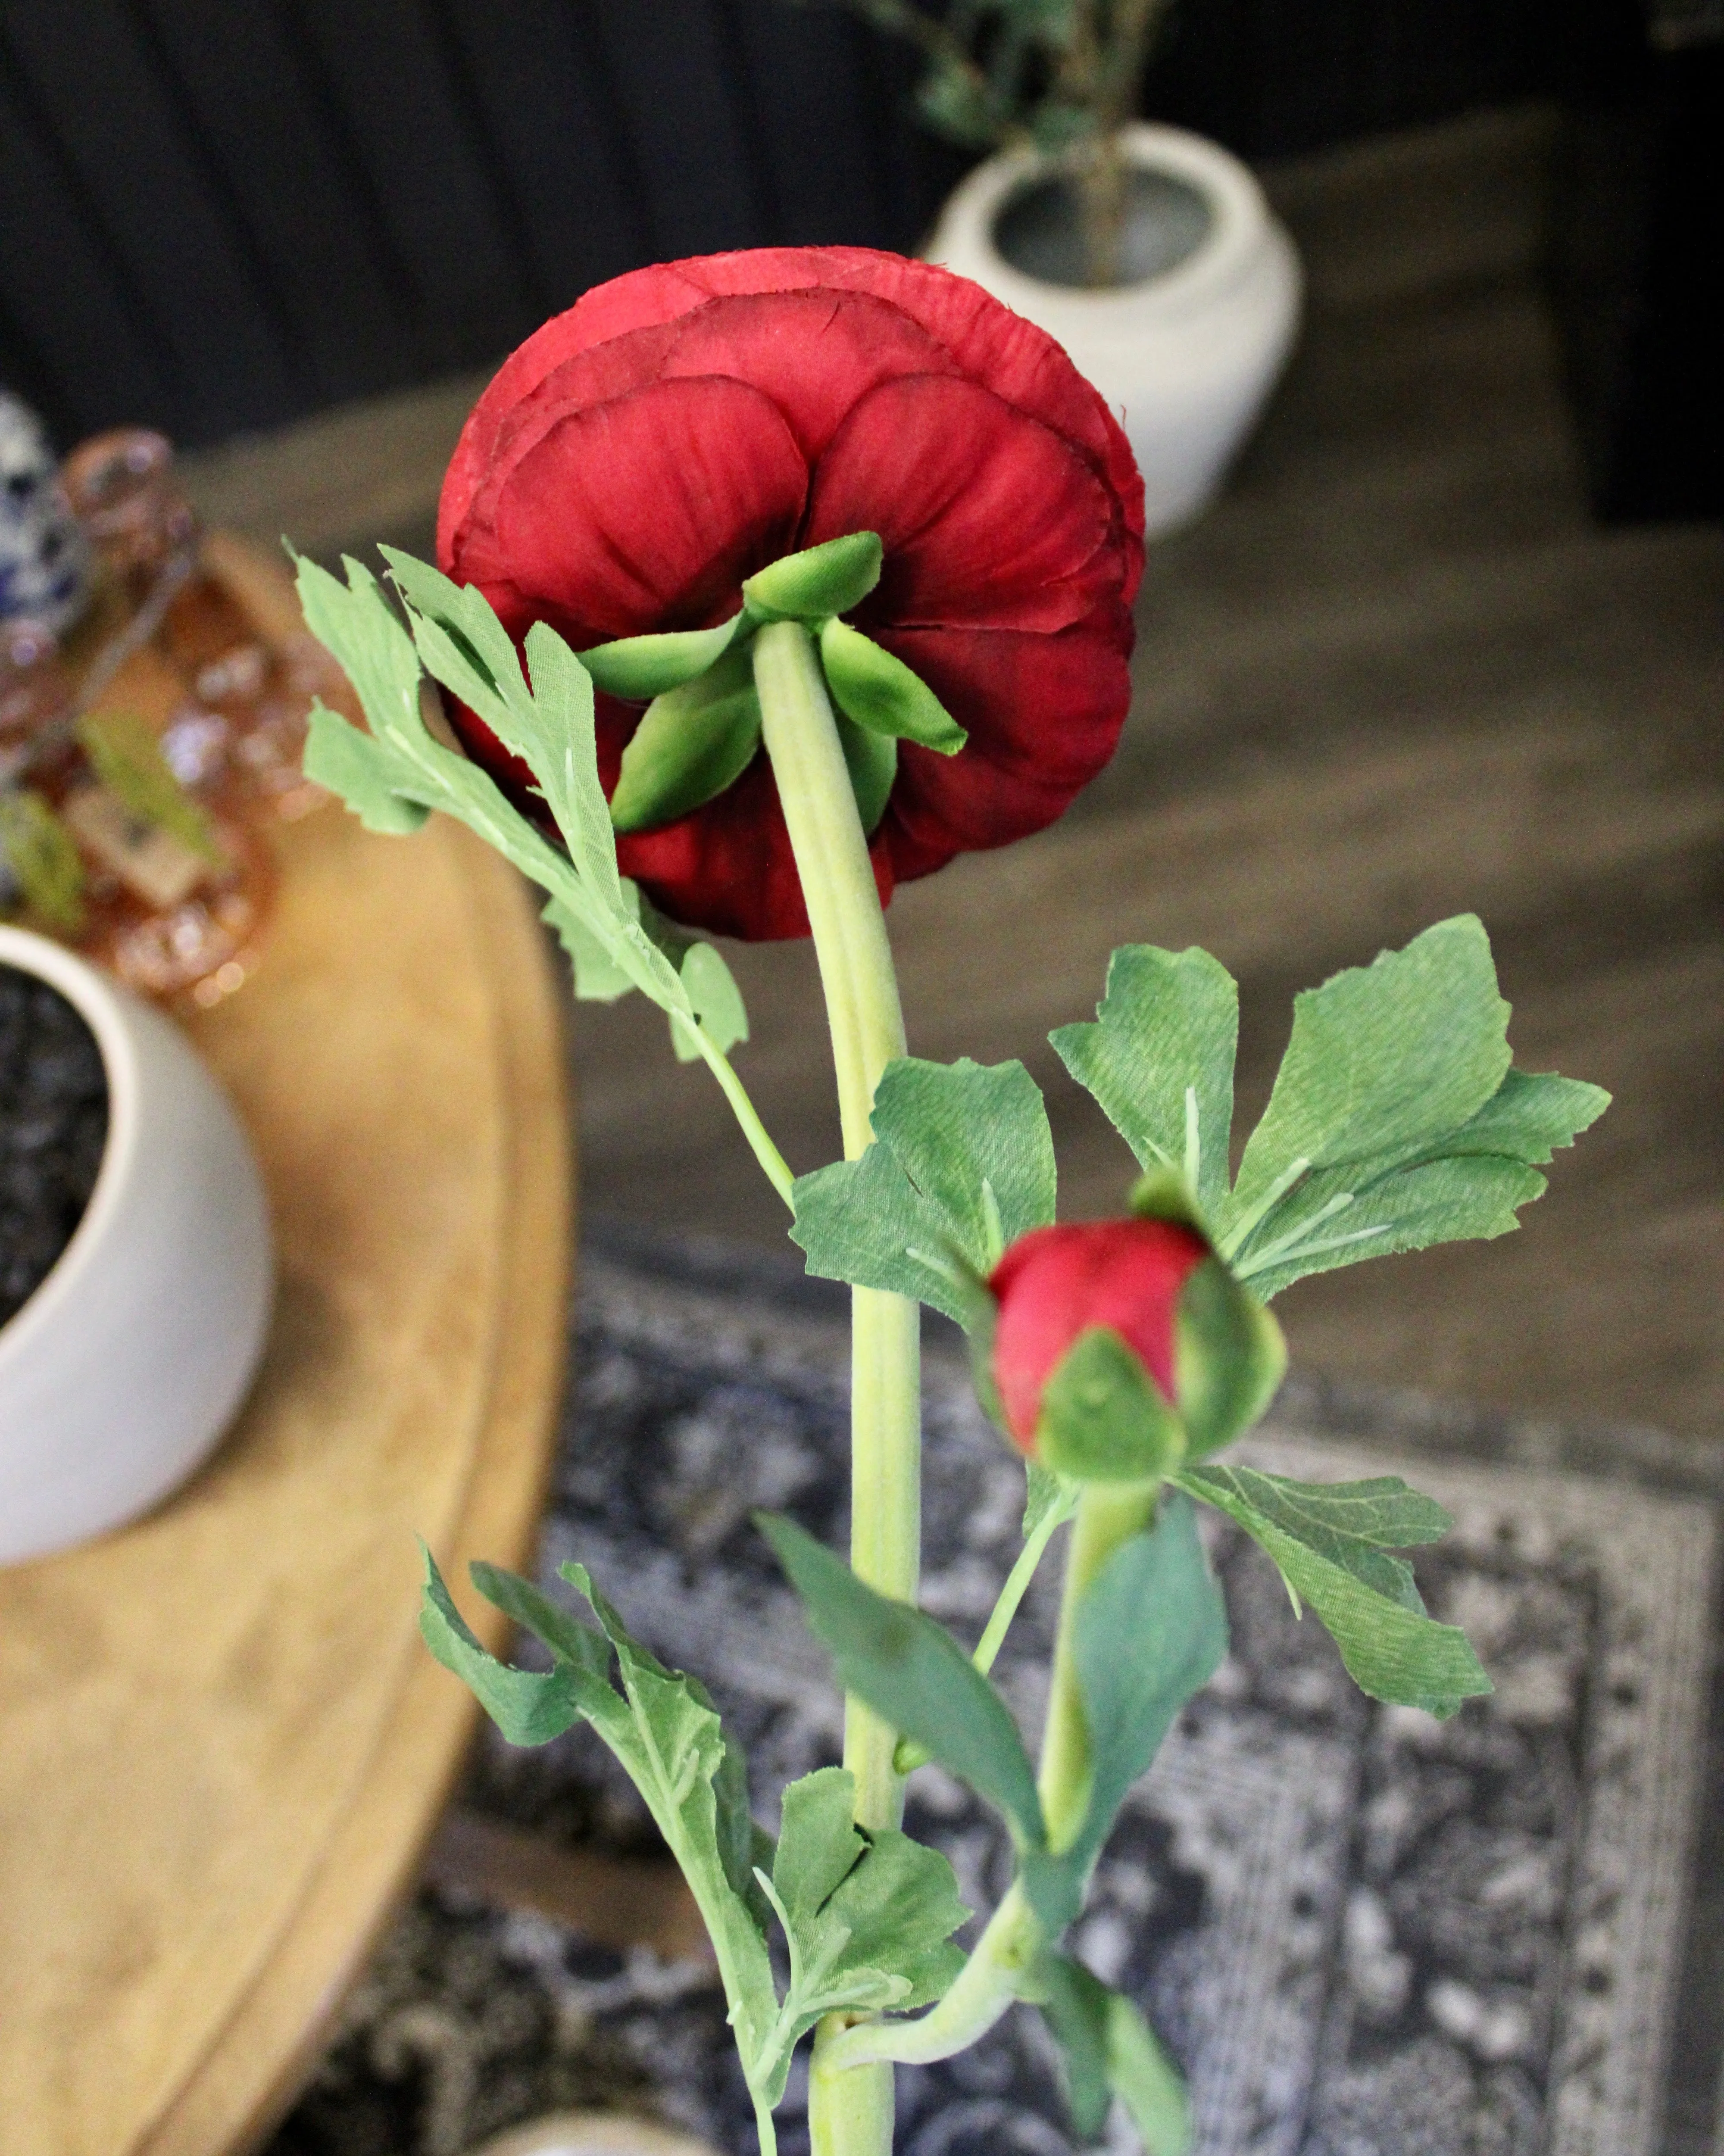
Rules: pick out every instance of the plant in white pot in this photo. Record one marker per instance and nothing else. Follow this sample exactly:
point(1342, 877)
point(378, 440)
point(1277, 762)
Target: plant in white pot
point(1149, 252)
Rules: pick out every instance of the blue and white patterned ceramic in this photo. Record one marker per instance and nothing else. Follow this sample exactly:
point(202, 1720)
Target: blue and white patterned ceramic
point(44, 557)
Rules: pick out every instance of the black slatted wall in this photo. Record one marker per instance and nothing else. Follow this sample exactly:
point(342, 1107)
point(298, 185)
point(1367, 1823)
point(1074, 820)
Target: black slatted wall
point(217, 214)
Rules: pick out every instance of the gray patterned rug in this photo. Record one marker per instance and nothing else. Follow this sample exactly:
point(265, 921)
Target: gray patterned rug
point(1364, 1933)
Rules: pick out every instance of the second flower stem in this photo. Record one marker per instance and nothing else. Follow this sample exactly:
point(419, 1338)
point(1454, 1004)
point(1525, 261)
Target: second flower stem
point(852, 2112)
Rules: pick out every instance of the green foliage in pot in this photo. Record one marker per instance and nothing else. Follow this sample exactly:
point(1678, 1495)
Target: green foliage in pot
point(1059, 76)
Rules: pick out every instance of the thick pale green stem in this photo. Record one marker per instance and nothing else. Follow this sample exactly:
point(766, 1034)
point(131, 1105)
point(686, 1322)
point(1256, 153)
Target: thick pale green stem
point(852, 2115)
point(1108, 1513)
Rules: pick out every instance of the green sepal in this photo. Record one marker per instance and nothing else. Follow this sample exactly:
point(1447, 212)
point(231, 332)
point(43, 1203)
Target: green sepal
point(881, 694)
point(1230, 1355)
point(914, 1674)
point(1164, 1194)
point(818, 582)
point(643, 667)
point(1108, 2050)
point(692, 742)
point(1103, 1417)
point(872, 762)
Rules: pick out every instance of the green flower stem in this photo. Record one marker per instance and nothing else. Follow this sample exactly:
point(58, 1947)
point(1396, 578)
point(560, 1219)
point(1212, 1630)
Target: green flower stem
point(777, 1168)
point(999, 1972)
point(1001, 1969)
point(853, 2117)
point(1108, 1514)
point(910, 1756)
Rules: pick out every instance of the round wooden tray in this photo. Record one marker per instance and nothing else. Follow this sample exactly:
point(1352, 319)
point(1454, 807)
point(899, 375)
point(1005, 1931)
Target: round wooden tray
point(222, 1745)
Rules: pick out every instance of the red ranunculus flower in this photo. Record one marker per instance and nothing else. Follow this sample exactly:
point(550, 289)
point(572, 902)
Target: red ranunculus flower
point(1201, 1357)
point(681, 427)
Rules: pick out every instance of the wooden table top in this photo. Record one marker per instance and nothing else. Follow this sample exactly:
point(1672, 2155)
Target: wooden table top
point(222, 1745)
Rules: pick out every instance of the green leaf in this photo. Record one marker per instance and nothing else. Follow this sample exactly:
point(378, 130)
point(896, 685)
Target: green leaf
point(1103, 1419)
point(360, 770)
point(715, 1000)
point(692, 743)
point(530, 1706)
point(663, 1731)
point(1108, 2048)
point(1329, 1548)
point(962, 1164)
point(914, 1674)
point(1159, 1060)
point(828, 579)
point(868, 1918)
point(1384, 1060)
point(597, 977)
point(1529, 1117)
point(881, 694)
point(1406, 1209)
point(644, 667)
point(463, 644)
point(872, 763)
point(1151, 1632)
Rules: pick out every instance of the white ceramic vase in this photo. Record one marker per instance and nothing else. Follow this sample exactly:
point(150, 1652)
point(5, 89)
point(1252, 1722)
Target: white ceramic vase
point(1188, 350)
point(120, 1371)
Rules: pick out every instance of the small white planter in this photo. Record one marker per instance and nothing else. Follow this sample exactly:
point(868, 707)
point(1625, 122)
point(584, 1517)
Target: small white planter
point(1188, 350)
point(120, 1373)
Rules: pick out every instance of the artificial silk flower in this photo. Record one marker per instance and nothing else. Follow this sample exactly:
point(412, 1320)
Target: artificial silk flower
point(682, 427)
point(1122, 1348)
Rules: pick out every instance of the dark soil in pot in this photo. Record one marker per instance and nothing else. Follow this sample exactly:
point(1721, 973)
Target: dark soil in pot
point(53, 1126)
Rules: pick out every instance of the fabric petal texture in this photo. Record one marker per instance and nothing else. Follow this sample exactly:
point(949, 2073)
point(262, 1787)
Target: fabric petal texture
point(680, 426)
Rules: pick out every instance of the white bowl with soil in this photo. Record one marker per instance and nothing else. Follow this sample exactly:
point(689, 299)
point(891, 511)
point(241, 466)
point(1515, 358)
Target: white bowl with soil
point(126, 1354)
point(1188, 342)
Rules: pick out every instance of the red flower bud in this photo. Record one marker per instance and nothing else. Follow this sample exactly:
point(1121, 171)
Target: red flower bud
point(1122, 1347)
point(682, 427)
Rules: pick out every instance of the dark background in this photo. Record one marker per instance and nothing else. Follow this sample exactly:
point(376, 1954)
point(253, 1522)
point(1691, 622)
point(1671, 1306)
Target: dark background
point(216, 217)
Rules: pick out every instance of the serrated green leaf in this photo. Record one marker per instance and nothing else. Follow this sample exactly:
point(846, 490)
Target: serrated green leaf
point(460, 639)
point(1353, 1524)
point(1384, 1061)
point(962, 1164)
point(826, 579)
point(868, 1918)
point(914, 1674)
point(1530, 1116)
point(597, 977)
point(663, 1731)
point(1107, 2049)
point(882, 695)
point(644, 667)
point(715, 1000)
point(1159, 1060)
point(1151, 1632)
point(530, 1706)
point(1328, 1554)
point(362, 771)
point(692, 743)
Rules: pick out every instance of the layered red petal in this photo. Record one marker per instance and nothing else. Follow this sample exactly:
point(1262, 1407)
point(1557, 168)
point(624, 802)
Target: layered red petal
point(1055, 1284)
point(644, 512)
